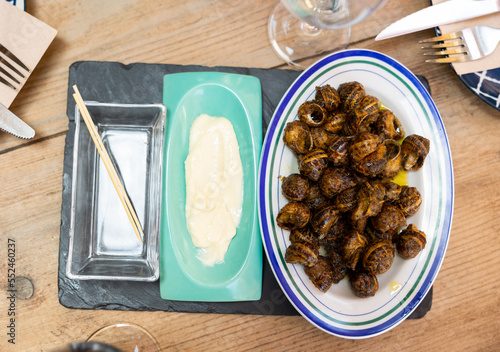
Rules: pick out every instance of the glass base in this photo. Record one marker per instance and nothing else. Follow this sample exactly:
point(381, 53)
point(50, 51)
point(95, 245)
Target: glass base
point(125, 337)
point(299, 43)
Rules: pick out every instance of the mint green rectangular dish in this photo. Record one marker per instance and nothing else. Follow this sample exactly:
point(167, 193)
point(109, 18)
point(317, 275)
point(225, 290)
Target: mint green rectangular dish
point(183, 277)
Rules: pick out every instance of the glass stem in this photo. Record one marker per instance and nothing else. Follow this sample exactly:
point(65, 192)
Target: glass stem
point(309, 30)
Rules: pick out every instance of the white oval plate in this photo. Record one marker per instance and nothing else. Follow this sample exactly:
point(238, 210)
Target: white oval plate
point(338, 311)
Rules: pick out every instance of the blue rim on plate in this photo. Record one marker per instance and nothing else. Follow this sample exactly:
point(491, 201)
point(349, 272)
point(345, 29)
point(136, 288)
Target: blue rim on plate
point(338, 311)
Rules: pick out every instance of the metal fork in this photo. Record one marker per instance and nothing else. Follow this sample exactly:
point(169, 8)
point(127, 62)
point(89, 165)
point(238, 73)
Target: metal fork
point(466, 45)
point(12, 70)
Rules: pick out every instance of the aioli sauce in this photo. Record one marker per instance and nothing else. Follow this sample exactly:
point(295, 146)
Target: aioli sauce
point(214, 187)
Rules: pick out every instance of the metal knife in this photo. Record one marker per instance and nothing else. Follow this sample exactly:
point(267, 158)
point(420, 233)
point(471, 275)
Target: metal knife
point(443, 13)
point(14, 125)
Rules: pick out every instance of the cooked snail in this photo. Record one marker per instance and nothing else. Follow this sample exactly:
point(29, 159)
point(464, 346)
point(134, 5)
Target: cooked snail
point(297, 137)
point(392, 190)
point(323, 220)
point(321, 274)
point(410, 242)
point(301, 253)
point(338, 151)
point(363, 145)
point(351, 94)
point(315, 200)
point(334, 237)
point(378, 257)
point(334, 123)
point(328, 97)
point(409, 200)
point(372, 164)
point(304, 235)
point(295, 187)
point(414, 149)
point(359, 224)
point(313, 164)
point(389, 219)
point(321, 138)
point(293, 215)
point(352, 248)
point(312, 114)
point(347, 200)
point(393, 157)
point(335, 180)
point(370, 200)
point(363, 283)
point(388, 125)
point(339, 269)
point(364, 115)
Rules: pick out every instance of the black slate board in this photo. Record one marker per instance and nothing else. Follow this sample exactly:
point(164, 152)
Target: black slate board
point(143, 83)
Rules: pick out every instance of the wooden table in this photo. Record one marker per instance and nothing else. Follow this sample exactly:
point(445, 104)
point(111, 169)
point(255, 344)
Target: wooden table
point(466, 303)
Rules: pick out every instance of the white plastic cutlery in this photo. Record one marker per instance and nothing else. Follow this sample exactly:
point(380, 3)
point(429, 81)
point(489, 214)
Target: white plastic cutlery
point(446, 12)
point(14, 125)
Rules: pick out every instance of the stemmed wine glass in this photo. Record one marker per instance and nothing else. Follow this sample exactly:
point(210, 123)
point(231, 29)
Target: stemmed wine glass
point(299, 29)
point(124, 337)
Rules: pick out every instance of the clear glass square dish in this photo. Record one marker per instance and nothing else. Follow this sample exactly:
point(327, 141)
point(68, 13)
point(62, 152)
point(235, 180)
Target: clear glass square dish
point(102, 241)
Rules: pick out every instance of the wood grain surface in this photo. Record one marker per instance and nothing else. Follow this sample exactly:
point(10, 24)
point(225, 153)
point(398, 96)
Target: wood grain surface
point(466, 304)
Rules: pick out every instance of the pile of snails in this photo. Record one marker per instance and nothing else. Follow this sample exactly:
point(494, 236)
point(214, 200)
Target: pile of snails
point(345, 214)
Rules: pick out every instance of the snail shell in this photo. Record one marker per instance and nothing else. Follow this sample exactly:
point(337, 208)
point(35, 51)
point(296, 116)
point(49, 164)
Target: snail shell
point(321, 274)
point(293, 215)
point(328, 97)
point(334, 123)
point(301, 253)
point(389, 125)
point(297, 137)
point(363, 145)
point(339, 269)
point(334, 237)
point(409, 200)
point(392, 190)
point(336, 180)
point(315, 200)
point(321, 138)
point(389, 219)
point(372, 164)
point(351, 94)
point(323, 220)
point(304, 235)
point(338, 151)
point(410, 242)
point(370, 200)
point(312, 114)
point(347, 199)
point(352, 248)
point(313, 164)
point(363, 283)
point(359, 224)
point(295, 187)
point(414, 149)
point(369, 105)
point(365, 114)
point(393, 158)
point(378, 257)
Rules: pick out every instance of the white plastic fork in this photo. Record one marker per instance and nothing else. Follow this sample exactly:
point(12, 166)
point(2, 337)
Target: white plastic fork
point(466, 45)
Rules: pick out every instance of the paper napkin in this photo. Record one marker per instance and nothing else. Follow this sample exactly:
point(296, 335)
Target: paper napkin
point(486, 63)
point(26, 37)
